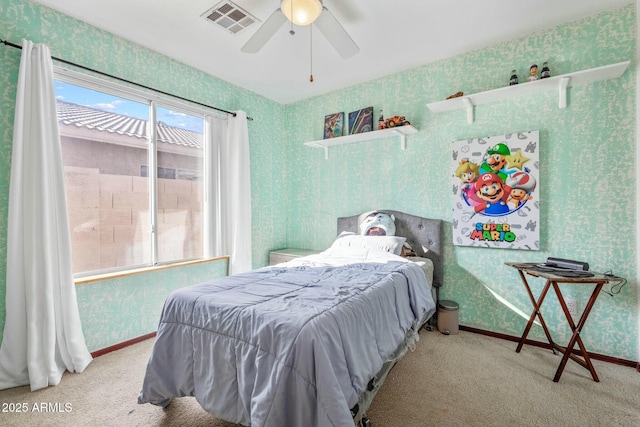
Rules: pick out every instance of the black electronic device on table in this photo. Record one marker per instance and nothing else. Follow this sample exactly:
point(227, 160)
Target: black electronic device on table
point(565, 267)
point(569, 264)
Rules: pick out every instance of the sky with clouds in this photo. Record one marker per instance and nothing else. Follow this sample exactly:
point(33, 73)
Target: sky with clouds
point(107, 102)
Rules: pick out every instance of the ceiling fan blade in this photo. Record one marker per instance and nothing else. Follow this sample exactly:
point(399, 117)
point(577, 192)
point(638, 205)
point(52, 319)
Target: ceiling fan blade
point(265, 32)
point(337, 36)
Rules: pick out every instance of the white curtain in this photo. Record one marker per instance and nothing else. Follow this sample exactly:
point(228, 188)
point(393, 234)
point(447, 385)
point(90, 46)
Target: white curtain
point(229, 192)
point(42, 331)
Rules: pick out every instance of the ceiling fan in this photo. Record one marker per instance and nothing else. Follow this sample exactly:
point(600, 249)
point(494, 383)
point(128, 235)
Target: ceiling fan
point(302, 13)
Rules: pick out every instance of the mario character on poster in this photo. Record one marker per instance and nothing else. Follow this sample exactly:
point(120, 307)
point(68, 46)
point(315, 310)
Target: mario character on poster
point(496, 191)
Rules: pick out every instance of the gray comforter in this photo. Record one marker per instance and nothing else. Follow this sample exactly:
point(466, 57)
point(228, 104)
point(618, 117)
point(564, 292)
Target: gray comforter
point(290, 345)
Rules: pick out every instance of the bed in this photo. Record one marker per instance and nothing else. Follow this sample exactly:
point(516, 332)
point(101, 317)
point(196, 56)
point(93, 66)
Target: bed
point(304, 343)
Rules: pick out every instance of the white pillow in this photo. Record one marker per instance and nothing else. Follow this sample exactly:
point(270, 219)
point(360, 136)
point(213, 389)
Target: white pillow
point(347, 240)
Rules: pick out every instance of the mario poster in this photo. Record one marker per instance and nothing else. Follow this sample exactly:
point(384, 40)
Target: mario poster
point(496, 182)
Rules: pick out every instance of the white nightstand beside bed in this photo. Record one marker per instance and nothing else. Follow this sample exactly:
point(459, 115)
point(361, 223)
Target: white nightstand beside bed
point(287, 254)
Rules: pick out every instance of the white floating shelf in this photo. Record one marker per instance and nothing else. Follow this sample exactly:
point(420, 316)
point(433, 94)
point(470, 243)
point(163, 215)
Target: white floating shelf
point(401, 131)
point(559, 83)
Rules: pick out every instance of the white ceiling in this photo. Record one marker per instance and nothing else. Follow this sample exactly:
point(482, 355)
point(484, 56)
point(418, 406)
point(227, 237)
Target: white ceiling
point(393, 35)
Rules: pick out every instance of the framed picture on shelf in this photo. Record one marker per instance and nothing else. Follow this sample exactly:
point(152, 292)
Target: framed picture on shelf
point(361, 121)
point(333, 124)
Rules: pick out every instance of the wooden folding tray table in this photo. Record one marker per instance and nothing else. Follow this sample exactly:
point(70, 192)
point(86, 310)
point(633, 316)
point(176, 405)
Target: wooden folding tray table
point(597, 280)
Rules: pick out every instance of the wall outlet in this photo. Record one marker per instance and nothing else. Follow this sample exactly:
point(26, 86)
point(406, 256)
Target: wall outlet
point(572, 305)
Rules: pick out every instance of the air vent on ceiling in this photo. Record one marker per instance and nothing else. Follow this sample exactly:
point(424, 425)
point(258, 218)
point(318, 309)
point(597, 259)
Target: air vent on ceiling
point(230, 16)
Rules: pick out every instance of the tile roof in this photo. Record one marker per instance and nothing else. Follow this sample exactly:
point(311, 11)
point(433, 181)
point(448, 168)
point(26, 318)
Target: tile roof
point(104, 121)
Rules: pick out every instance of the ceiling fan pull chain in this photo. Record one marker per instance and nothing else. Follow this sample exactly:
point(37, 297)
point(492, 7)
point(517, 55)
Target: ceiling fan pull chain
point(311, 53)
point(291, 21)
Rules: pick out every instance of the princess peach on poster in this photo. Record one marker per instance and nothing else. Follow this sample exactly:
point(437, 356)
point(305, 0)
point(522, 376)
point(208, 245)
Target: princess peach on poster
point(468, 172)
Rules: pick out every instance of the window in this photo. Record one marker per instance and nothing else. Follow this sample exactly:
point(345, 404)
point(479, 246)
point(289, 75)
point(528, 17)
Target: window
point(120, 215)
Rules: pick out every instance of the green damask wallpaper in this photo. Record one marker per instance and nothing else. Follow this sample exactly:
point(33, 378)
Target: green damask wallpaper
point(587, 165)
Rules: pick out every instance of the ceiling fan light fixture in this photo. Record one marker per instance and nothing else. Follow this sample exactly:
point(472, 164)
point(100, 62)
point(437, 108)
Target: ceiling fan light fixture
point(301, 12)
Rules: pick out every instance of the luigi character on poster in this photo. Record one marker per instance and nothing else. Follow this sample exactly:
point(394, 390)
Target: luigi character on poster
point(496, 192)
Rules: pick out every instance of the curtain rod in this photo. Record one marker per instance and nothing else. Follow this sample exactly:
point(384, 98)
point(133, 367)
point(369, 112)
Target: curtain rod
point(129, 81)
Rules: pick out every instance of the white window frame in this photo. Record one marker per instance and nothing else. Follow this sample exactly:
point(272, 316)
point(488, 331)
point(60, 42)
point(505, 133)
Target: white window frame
point(151, 98)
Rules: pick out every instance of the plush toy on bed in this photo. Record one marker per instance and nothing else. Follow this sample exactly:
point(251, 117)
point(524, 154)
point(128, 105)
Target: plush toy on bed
point(377, 223)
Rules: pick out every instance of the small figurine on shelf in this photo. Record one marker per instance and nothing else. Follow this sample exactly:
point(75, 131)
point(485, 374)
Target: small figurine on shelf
point(381, 121)
point(392, 122)
point(514, 78)
point(533, 73)
point(396, 121)
point(545, 73)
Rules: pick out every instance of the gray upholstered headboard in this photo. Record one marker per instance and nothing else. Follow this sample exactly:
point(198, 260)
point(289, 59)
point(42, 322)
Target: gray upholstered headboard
point(423, 234)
